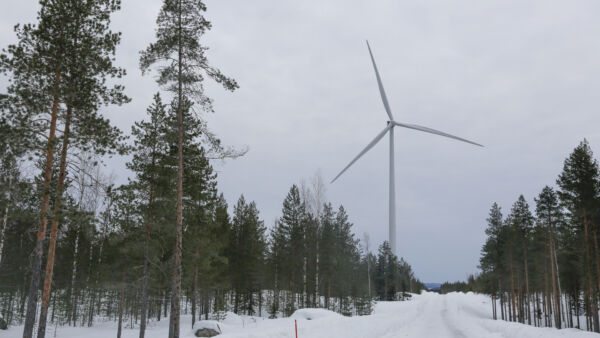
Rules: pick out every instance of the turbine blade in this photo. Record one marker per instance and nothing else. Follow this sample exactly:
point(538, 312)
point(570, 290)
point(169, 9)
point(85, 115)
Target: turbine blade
point(433, 131)
point(367, 148)
point(380, 84)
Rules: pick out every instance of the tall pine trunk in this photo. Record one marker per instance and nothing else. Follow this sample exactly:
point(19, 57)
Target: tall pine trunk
point(557, 307)
point(195, 291)
point(5, 218)
point(121, 303)
point(528, 313)
point(501, 293)
point(175, 298)
point(512, 287)
point(144, 305)
point(593, 304)
point(597, 324)
point(54, 228)
point(44, 209)
point(546, 298)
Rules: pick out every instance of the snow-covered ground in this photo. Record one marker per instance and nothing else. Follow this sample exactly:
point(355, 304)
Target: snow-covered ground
point(426, 315)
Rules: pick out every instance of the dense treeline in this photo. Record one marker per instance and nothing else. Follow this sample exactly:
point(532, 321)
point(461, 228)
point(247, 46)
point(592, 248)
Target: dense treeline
point(75, 248)
point(468, 286)
point(542, 266)
point(114, 244)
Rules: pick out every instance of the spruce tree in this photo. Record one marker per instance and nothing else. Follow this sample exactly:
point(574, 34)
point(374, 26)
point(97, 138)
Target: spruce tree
point(150, 146)
point(346, 254)
point(327, 251)
point(385, 271)
point(246, 255)
point(290, 230)
point(492, 252)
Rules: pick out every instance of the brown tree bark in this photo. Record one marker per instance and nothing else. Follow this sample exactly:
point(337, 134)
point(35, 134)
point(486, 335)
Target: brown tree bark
point(144, 305)
point(597, 258)
point(44, 210)
point(592, 298)
point(547, 297)
point(501, 299)
point(121, 303)
point(54, 227)
point(538, 310)
point(5, 218)
point(512, 287)
point(519, 300)
point(501, 293)
point(557, 307)
point(526, 303)
point(195, 291)
point(176, 296)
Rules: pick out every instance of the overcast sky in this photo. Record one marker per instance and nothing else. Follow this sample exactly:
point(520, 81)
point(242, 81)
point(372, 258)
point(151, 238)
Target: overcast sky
point(520, 77)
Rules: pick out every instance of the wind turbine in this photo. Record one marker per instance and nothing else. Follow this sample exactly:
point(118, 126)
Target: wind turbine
point(390, 128)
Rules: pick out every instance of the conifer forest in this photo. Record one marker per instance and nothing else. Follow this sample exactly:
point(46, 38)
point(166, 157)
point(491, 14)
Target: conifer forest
point(167, 169)
point(76, 248)
point(540, 263)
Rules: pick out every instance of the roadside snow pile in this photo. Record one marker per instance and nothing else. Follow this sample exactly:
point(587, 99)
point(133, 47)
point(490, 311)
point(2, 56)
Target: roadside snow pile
point(311, 314)
point(232, 318)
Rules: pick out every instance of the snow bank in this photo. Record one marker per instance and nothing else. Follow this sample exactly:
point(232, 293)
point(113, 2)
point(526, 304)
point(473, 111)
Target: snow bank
point(312, 314)
point(427, 315)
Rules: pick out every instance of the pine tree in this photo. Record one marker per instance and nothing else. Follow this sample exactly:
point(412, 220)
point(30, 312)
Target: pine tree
point(550, 270)
point(36, 65)
point(521, 222)
point(492, 253)
point(578, 193)
point(90, 51)
point(184, 65)
point(549, 216)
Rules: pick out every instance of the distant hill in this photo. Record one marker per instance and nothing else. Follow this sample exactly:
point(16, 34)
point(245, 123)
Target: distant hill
point(433, 286)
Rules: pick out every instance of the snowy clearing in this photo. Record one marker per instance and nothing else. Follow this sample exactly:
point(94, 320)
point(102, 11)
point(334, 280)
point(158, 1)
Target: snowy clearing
point(427, 315)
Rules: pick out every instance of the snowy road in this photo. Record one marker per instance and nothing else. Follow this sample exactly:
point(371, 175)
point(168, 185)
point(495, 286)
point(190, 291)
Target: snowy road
point(427, 315)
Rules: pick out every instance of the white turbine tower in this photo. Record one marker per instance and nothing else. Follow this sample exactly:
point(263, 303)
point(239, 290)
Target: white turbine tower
point(390, 128)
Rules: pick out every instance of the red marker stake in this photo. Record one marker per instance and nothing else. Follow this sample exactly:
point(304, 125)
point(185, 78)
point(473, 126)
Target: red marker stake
point(296, 325)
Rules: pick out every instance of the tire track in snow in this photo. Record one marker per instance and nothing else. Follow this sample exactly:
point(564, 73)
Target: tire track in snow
point(453, 329)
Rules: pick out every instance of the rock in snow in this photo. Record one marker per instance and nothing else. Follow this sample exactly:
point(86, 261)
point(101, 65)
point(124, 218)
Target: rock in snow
point(206, 328)
point(206, 333)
